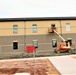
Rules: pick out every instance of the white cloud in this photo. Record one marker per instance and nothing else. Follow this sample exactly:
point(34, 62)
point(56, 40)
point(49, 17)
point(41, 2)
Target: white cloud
point(37, 8)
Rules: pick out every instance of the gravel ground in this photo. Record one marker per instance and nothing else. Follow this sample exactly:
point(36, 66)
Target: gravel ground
point(30, 55)
point(32, 66)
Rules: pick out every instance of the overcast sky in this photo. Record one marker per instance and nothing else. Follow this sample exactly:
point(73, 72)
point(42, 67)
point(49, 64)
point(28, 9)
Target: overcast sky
point(37, 8)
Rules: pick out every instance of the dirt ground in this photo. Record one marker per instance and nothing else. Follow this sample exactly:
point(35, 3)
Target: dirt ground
point(32, 66)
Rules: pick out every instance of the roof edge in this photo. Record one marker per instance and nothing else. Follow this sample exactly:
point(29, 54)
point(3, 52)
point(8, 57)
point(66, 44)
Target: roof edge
point(36, 19)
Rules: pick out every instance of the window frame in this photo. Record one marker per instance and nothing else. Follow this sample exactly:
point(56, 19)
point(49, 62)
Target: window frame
point(35, 41)
point(15, 29)
point(70, 41)
point(15, 43)
point(68, 27)
point(34, 28)
point(55, 44)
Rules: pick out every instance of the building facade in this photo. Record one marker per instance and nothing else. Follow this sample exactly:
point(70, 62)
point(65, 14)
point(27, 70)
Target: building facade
point(18, 33)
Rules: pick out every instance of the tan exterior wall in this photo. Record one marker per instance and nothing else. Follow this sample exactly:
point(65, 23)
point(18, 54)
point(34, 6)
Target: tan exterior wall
point(6, 28)
point(42, 36)
point(72, 26)
point(42, 26)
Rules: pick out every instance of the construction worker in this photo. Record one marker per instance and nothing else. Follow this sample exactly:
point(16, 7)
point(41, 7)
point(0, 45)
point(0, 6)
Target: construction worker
point(53, 28)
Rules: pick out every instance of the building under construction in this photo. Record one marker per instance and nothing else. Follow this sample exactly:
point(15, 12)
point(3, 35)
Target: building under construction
point(18, 33)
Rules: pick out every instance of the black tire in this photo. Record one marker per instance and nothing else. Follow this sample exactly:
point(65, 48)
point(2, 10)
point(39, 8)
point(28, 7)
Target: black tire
point(58, 51)
point(69, 50)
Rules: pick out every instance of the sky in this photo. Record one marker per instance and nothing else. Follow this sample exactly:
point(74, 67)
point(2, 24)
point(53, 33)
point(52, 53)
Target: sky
point(37, 8)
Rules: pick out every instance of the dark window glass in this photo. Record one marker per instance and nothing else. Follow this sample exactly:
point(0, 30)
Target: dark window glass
point(35, 43)
point(70, 41)
point(54, 43)
point(15, 45)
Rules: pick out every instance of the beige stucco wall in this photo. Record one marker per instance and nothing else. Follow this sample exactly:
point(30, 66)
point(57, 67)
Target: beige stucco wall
point(72, 26)
point(6, 28)
point(42, 27)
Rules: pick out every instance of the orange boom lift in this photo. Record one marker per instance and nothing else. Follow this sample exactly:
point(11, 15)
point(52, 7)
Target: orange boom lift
point(64, 46)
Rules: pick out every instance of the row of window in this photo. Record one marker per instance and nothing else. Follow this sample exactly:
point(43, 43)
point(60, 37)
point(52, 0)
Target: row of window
point(35, 43)
point(34, 28)
point(15, 44)
point(54, 42)
point(15, 28)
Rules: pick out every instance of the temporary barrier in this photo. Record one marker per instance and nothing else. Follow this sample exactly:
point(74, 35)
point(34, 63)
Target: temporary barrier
point(30, 49)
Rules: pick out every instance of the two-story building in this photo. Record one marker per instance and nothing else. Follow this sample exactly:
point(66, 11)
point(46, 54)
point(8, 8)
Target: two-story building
point(18, 33)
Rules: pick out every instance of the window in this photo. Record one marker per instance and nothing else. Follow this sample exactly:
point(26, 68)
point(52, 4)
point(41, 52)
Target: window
point(54, 43)
point(15, 45)
point(34, 28)
point(67, 26)
point(15, 29)
point(35, 43)
point(70, 41)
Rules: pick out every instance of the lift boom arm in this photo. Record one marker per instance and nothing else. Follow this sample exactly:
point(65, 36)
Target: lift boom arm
point(60, 36)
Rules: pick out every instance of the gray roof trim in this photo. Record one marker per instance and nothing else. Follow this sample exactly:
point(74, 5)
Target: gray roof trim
point(36, 19)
